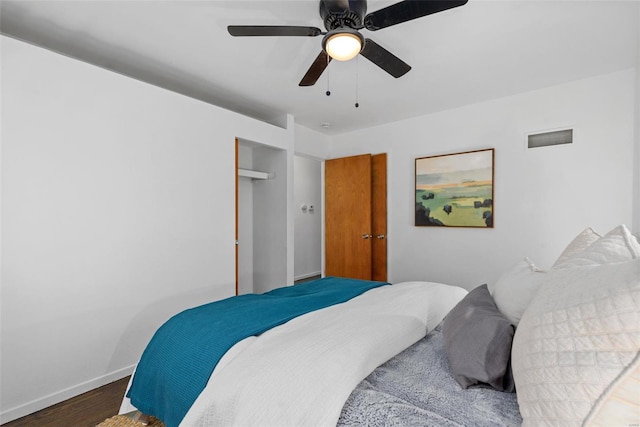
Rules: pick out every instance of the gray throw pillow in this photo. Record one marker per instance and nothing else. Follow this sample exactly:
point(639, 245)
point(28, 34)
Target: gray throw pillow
point(478, 339)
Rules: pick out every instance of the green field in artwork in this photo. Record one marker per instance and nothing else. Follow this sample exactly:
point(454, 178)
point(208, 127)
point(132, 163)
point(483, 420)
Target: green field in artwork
point(459, 206)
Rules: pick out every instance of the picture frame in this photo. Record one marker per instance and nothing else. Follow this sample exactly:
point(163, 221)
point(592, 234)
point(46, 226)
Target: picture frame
point(455, 190)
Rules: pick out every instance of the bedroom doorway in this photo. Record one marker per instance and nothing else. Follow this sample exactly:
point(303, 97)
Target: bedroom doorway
point(356, 217)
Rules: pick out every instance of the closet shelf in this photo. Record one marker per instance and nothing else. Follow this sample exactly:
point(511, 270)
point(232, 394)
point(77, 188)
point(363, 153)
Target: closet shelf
point(248, 173)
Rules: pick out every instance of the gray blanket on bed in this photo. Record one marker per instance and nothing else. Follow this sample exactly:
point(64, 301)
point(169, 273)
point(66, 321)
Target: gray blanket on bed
point(416, 388)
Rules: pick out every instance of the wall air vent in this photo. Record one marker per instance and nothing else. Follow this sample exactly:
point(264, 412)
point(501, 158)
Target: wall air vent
point(547, 139)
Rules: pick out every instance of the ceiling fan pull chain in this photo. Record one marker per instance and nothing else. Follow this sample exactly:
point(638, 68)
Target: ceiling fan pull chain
point(328, 91)
point(357, 62)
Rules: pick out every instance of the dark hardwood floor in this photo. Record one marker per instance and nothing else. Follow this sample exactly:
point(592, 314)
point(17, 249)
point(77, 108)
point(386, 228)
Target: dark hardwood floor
point(86, 410)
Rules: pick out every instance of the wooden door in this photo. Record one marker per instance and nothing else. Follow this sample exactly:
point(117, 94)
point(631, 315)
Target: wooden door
point(356, 217)
point(348, 217)
point(379, 217)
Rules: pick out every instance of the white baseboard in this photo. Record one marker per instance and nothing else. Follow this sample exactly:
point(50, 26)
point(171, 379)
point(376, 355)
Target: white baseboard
point(62, 395)
point(307, 275)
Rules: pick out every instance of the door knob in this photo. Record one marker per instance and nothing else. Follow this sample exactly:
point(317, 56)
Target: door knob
point(380, 236)
point(366, 236)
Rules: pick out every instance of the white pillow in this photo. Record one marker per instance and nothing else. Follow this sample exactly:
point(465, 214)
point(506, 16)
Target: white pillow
point(617, 406)
point(578, 244)
point(618, 245)
point(515, 288)
point(580, 333)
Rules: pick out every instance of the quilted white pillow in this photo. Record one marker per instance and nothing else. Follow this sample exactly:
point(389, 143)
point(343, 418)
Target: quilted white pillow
point(515, 288)
point(620, 404)
point(581, 242)
point(580, 333)
point(618, 245)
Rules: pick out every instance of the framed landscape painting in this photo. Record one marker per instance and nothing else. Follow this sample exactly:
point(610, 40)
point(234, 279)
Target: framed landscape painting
point(455, 190)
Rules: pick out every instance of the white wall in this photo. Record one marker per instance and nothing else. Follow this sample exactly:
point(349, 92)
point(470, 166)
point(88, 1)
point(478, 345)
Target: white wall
point(245, 223)
point(543, 197)
point(308, 222)
point(314, 145)
point(117, 212)
point(311, 143)
point(270, 221)
point(636, 191)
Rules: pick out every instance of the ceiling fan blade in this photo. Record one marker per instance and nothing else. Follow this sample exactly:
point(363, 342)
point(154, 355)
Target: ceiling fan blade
point(272, 30)
point(384, 59)
point(406, 11)
point(315, 71)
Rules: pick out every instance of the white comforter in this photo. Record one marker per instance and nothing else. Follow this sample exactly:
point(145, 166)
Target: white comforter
point(301, 373)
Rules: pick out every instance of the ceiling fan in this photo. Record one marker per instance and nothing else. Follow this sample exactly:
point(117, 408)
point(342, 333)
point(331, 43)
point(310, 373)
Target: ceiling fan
point(342, 40)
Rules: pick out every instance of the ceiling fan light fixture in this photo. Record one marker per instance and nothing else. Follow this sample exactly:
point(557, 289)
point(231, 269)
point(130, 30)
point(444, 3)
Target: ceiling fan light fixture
point(343, 44)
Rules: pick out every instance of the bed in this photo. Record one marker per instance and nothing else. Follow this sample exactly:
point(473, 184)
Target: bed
point(423, 353)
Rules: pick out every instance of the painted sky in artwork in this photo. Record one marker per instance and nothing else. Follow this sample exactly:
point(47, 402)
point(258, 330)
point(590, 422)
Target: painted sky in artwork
point(456, 169)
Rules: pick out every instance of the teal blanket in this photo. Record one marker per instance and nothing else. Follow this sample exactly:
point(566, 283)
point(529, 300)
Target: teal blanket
point(178, 361)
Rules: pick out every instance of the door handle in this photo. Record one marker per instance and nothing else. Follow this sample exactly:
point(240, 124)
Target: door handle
point(380, 236)
point(366, 236)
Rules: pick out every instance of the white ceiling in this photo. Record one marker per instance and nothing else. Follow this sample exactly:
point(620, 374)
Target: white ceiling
point(484, 50)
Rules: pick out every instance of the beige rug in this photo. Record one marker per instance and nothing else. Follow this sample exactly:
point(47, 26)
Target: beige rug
point(129, 421)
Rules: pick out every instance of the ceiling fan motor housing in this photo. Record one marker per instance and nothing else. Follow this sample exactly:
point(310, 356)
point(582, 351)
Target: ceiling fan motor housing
point(342, 13)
